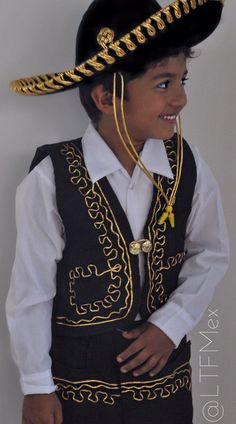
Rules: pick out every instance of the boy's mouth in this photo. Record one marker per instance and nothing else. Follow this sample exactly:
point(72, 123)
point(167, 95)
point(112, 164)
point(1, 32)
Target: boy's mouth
point(168, 117)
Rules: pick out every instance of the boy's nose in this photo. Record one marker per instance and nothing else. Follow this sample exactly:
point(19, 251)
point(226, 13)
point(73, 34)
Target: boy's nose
point(179, 98)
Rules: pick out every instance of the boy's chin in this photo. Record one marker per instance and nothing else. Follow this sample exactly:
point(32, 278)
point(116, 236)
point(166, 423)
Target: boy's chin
point(165, 134)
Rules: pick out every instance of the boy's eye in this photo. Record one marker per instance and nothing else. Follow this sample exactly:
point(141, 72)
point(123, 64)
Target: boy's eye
point(164, 84)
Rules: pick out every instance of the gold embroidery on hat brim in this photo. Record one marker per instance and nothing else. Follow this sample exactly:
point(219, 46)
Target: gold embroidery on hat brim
point(50, 83)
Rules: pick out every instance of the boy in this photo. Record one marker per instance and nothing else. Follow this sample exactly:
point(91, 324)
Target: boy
point(123, 239)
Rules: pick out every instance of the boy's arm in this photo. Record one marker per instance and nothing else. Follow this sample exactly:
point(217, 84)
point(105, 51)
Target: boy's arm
point(29, 303)
point(205, 265)
point(206, 262)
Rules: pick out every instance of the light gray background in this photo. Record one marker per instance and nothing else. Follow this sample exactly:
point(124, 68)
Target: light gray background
point(39, 37)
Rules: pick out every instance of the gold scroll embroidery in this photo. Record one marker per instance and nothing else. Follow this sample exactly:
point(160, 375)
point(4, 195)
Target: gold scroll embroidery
point(106, 225)
point(156, 233)
point(105, 392)
point(172, 261)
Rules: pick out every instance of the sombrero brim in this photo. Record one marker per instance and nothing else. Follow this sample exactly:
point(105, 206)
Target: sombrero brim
point(187, 21)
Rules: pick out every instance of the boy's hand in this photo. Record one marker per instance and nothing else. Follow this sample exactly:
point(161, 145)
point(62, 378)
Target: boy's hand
point(42, 409)
point(152, 348)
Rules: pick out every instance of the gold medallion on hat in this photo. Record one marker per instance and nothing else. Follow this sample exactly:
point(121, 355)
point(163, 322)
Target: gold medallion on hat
point(105, 37)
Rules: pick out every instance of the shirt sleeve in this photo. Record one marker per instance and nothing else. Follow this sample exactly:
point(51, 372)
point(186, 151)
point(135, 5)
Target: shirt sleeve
point(39, 247)
point(206, 261)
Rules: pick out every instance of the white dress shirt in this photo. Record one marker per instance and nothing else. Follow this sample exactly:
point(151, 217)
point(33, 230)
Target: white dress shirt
point(40, 244)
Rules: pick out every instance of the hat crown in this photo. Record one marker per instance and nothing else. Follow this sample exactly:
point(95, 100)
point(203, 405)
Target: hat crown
point(116, 18)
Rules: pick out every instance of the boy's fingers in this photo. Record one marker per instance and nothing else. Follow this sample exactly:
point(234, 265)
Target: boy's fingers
point(135, 362)
point(135, 347)
point(159, 367)
point(139, 344)
point(148, 366)
point(136, 332)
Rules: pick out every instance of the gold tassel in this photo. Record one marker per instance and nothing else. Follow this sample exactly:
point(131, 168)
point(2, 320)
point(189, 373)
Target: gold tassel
point(168, 213)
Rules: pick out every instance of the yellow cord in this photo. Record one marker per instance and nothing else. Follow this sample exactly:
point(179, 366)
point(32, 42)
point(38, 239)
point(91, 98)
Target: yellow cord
point(134, 156)
point(168, 213)
point(138, 159)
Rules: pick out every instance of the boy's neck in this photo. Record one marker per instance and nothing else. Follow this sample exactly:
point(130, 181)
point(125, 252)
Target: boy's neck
point(109, 134)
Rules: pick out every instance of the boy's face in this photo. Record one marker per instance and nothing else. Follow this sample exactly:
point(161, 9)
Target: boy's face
point(153, 97)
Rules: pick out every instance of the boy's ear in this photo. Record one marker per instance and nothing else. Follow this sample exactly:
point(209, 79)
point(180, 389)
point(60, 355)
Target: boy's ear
point(102, 99)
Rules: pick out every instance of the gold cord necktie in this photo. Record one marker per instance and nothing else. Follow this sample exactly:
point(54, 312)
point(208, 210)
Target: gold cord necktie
point(129, 147)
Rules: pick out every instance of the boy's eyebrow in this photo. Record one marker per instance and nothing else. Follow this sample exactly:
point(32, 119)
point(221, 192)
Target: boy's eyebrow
point(168, 75)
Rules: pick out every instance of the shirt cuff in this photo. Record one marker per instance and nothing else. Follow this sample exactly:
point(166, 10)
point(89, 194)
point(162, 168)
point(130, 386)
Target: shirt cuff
point(37, 383)
point(173, 321)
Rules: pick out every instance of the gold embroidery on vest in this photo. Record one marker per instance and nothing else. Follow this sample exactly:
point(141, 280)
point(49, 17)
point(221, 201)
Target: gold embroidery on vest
point(104, 223)
point(102, 391)
point(113, 292)
point(172, 261)
point(156, 233)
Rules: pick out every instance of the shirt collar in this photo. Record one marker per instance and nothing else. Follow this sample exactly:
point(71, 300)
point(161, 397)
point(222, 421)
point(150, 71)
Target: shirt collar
point(101, 161)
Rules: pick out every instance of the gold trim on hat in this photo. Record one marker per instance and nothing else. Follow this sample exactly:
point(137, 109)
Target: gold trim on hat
point(105, 37)
point(112, 49)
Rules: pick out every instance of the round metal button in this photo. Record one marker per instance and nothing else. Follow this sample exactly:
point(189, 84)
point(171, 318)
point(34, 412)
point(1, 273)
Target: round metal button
point(147, 246)
point(138, 246)
point(135, 247)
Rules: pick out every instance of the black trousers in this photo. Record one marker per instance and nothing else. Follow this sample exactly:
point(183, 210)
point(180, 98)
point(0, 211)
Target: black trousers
point(92, 389)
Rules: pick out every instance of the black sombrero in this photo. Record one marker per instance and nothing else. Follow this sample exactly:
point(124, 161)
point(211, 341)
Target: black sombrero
point(113, 31)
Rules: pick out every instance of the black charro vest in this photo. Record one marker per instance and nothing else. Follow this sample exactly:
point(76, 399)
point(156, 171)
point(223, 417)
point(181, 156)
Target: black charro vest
point(98, 281)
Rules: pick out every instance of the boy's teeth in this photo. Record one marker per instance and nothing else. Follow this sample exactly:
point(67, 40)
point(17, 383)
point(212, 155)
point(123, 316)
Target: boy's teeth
point(170, 117)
